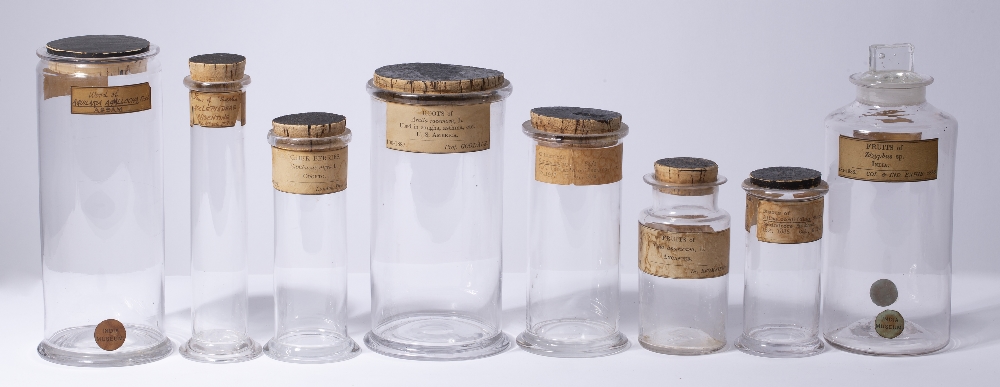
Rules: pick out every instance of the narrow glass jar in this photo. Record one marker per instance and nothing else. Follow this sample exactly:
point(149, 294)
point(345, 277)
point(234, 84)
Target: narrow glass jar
point(891, 164)
point(309, 173)
point(218, 211)
point(781, 292)
point(101, 201)
point(437, 186)
point(574, 232)
point(684, 259)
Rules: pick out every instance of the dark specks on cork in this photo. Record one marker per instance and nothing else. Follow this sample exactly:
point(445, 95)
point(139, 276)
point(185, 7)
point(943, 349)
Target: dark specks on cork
point(434, 72)
point(692, 163)
point(786, 178)
point(578, 113)
point(310, 119)
point(218, 59)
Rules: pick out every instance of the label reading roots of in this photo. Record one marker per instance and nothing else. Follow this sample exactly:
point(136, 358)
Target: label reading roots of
point(109, 334)
point(578, 166)
point(110, 100)
point(789, 222)
point(218, 110)
point(437, 129)
point(309, 173)
point(690, 255)
point(888, 161)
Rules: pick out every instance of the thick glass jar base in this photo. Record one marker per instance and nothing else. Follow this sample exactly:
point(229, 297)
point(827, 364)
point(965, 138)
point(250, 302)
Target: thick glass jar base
point(76, 347)
point(861, 338)
point(573, 338)
point(681, 341)
point(220, 346)
point(436, 337)
point(311, 346)
point(780, 341)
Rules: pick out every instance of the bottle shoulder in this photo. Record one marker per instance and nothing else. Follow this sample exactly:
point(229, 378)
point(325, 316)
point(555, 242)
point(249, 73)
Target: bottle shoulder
point(924, 118)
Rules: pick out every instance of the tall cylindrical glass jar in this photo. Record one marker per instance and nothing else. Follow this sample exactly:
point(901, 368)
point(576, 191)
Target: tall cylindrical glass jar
point(684, 259)
point(781, 291)
point(891, 162)
point(309, 173)
point(437, 185)
point(218, 211)
point(101, 201)
point(574, 232)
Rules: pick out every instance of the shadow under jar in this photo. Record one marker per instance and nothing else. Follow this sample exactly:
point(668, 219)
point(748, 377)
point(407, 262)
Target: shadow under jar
point(101, 201)
point(437, 185)
point(574, 228)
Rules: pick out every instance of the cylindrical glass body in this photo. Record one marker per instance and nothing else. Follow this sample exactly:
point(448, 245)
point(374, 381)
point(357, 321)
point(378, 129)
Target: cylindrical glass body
point(781, 293)
point(101, 209)
point(219, 308)
point(574, 243)
point(436, 235)
point(683, 312)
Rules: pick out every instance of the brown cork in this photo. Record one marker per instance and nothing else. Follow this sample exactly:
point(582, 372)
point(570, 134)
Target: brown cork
point(217, 67)
point(436, 78)
point(309, 125)
point(575, 120)
point(686, 170)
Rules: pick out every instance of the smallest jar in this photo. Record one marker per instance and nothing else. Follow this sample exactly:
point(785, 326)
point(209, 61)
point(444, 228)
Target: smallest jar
point(309, 174)
point(781, 292)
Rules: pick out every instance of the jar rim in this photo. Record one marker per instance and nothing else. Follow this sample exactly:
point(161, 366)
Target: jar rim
point(650, 178)
point(44, 54)
point(532, 132)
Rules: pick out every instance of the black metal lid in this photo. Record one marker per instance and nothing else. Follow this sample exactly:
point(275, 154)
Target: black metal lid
point(309, 119)
point(786, 178)
point(97, 46)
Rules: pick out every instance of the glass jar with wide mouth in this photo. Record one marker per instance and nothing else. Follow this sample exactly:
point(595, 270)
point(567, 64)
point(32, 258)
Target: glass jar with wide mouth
point(437, 186)
point(574, 226)
point(101, 201)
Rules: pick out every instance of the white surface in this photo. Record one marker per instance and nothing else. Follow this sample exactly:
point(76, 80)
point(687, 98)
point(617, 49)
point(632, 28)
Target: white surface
point(969, 361)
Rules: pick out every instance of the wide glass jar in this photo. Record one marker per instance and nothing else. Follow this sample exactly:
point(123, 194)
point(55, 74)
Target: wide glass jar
point(437, 200)
point(101, 201)
point(574, 229)
point(891, 166)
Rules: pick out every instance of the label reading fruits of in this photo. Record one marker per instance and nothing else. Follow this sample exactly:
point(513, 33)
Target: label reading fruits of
point(690, 255)
point(218, 110)
point(578, 166)
point(110, 100)
point(109, 334)
point(888, 161)
point(789, 222)
point(309, 173)
point(437, 129)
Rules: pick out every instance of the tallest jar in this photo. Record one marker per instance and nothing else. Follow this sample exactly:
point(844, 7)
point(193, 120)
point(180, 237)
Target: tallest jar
point(437, 182)
point(891, 163)
point(101, 201)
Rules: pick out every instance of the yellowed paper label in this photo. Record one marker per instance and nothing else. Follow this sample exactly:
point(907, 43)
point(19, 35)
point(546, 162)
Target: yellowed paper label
point(751, 213)
point(437, 129)
point(218, 110)
point(309, 173)
point(109, 334)
point(578, 166)
point(110, 100)
point(789, 222)
point(691, 255)
point(888, 161)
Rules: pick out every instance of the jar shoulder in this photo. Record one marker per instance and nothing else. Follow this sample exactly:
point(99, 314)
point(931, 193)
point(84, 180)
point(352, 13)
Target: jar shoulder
point(924, 118)
point(718, 219)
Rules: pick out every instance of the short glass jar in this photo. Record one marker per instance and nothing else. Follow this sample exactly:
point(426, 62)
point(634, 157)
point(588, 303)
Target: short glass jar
point(574, 229)
point(781, 291)
point(437, 200)
point(101, 201)
point(684, 259)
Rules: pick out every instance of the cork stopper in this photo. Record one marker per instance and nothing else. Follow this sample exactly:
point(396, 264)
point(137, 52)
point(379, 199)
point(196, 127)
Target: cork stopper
point(786, 178)
point(310, 125)
point(575, 120)
point(436, 78)
point(686, 170)
point(219, 67)
point(97, 46)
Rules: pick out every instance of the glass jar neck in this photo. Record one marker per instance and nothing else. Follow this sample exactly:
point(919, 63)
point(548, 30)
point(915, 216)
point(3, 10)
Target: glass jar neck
point(892, 97)
point(665, 199)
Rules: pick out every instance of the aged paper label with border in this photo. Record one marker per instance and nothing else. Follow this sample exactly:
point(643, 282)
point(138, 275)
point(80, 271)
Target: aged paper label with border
point(110, 334)
point(110, 100)
point(888, 161)
point(309, 173)
point(685, 255)
point(789, 222)
point(218, 110)
point(578, 166)
point(437, 129)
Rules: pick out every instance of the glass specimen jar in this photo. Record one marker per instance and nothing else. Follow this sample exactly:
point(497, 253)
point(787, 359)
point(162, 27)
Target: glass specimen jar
point(437, 177)
point(218, 211)
point(684, 259)
point(309, 173)
point(891, 165)
point(101, 201)
point(574, 230)
point(781, 291)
